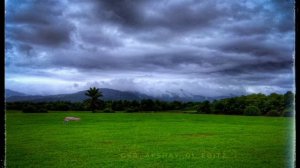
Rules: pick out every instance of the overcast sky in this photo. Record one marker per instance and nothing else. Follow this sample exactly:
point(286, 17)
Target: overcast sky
point(206, 47)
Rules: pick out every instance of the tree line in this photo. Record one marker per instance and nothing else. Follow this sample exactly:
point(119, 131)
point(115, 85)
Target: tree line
point(253, 104)
point(146, 105)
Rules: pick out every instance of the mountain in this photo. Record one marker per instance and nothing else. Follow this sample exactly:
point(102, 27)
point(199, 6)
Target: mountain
point(10, 93)
point(108, 94)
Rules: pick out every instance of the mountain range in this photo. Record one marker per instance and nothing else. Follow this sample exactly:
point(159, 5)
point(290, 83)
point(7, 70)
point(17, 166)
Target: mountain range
point(108, 94)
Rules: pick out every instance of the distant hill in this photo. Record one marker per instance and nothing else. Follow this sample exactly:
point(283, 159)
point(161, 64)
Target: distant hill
point(108, 94)
point(10, 93)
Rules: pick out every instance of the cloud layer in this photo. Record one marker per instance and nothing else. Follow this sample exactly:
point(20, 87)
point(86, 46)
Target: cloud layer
point(209, 47)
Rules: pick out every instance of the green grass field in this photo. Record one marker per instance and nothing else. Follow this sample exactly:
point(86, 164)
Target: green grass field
point(147, 140)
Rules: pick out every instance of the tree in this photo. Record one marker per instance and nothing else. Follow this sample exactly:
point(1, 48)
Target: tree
point(219, 107)
point(204, 107)
point(273, 113)
point(276, 102)
point(176, 105)
point(34, 108)
point(93, 102)
point(288, 104)
point(252, 111)
point(117, 105)
point(147, 105)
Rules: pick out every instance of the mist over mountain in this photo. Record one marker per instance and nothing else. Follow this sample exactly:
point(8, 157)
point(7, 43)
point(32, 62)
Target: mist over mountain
point(10, 93)
point(108, 94)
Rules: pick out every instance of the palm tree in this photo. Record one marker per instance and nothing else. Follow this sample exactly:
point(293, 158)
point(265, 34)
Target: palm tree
point(93, 101)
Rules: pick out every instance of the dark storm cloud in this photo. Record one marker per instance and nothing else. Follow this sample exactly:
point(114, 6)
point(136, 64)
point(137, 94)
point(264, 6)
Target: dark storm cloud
point(53, 35)
point(257, 67)
point(96, 36)
point(149, 43)
point(123, 11)
point(256, 47)
point(182, 16)
point(37, 22)
point(32, 11)
point(25, 48)
point(247, 29)
point(8, 45)
point(146, 62)
point(285, 11)
point(169, 60)
point(144, 15)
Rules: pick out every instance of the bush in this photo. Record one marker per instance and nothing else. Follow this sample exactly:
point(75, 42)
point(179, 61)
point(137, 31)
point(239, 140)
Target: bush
point(204, 107)
point(34, 109)
point(28, 109)
point(288, 112)
point(42, 110)
point(273, 113)
point(252, 111)
point(108, 110)
point(132, 110)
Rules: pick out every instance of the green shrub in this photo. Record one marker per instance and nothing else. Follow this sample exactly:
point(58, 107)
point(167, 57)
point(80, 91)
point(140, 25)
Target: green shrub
point(204, 107)
point(42, 110)
point(132, 110)
point(252, 111)
point(273, 113)
point(108, 110)
point(28, 109)
point(288, 112)
point(33, 109)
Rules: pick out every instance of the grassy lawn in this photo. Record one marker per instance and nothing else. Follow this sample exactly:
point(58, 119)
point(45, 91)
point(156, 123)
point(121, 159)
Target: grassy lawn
point(147, 140)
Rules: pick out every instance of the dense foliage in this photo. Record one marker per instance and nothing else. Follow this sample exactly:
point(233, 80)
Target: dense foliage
point(254, 104)
point(251, 111)
point(36, 108)
point(147, 105)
